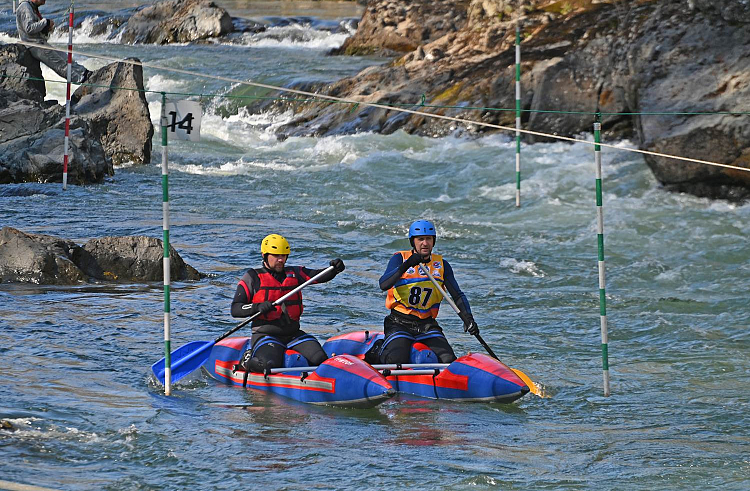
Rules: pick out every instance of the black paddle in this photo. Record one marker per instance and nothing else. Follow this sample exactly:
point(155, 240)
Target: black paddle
point(532, 386)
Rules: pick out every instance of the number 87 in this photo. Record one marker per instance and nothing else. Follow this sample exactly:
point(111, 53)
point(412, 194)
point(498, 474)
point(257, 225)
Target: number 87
point(415, 295)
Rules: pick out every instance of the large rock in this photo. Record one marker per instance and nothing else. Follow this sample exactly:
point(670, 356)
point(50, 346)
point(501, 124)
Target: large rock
point(48, 260)
point(136, 258)
point(108, 125)
point(177, 21)
point(36, 258)
point(730, 10)
point(38, 157)
point(32, 132)
point(693, 63)
point(578, 58)
point(118, 118)
point(21, 75)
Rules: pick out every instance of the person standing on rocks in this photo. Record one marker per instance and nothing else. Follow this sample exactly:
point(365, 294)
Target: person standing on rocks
point(33, 28)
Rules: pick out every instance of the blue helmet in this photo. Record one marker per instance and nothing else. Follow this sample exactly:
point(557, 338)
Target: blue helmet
point(421, 227)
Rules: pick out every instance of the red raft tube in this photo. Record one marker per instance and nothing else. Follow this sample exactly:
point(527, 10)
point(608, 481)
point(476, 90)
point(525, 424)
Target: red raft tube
point(342, 380)
point(474, 377)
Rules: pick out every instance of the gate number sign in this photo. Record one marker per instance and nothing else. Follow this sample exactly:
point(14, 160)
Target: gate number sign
point(183, 120)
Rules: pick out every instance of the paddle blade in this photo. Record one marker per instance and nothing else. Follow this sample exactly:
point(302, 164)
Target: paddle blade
point(185, 359)
point(533, 388)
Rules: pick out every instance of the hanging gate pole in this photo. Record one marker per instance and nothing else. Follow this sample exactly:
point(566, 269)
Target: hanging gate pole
point(67, 98)
point(518, 114)
point(165, 228)
point(600, 242)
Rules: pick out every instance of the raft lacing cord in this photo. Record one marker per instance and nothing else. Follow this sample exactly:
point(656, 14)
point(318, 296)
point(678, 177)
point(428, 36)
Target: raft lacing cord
point(383, 106)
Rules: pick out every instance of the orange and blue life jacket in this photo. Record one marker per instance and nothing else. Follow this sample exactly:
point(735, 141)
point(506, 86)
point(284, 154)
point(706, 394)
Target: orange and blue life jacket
point(414, 293)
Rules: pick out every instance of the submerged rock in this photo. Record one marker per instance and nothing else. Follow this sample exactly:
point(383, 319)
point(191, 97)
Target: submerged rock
point(47, 260)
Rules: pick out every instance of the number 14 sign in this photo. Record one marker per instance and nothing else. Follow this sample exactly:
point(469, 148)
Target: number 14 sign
point(183, 120)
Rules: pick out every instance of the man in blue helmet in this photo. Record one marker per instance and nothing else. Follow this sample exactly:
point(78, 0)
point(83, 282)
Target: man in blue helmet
point(414, 301)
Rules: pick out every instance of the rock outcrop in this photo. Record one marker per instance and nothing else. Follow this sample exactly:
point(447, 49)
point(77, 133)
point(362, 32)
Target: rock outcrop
point(32, 131)
point(177, 21)
point(110, 123)
point(48, 260)
point(394, 28)
point(580, 57)
point(118, 118)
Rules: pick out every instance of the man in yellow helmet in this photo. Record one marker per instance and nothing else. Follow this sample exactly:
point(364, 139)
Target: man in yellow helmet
point(414, 301)
point(277, 328)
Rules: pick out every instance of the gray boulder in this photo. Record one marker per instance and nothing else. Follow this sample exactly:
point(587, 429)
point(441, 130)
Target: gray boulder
point(389, 28)
point(108, 125)
point(36, 258)
point(21, 75)
point(118, 118)
point(136, 258)
point(32, 130)
point(48, 260)
point(177, 21)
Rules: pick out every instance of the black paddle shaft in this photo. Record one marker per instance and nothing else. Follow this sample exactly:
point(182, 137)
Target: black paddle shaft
point(450, 301)
point(489, 350)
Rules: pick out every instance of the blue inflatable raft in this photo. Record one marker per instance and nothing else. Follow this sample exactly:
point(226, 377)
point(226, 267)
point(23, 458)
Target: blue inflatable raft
point(342, 380)
point(474, 377)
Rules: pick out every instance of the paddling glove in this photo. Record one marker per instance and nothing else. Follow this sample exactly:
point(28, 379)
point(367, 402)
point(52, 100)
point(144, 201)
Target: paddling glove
point(338, 265)
point(470, 324)
point(413, 260)
point(264, 307)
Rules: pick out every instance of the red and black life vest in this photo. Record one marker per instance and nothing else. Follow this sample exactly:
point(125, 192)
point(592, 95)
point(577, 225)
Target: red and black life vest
point(271, 289)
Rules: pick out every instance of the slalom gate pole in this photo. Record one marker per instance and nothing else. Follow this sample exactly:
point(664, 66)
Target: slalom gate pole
point(600, 241)
point(67, 99)
point(518, 114)
point(165, 228)
point(14, 6)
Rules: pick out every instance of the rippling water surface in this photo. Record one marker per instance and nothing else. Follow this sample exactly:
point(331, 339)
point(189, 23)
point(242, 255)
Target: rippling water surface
point(75, 360)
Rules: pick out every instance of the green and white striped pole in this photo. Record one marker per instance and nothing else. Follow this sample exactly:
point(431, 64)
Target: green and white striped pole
point(600, 241)
point(165, 228)
point(518, 114)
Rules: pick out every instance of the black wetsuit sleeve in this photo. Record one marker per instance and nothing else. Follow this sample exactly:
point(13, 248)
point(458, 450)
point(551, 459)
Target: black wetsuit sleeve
point(395, 269)
point(453, 290)
point(242, 305)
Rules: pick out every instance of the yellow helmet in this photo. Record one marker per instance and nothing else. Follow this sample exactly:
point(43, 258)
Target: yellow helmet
point(274, 244)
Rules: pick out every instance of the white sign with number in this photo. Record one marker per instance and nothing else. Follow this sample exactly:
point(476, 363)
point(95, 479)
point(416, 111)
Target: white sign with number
point(183, 120)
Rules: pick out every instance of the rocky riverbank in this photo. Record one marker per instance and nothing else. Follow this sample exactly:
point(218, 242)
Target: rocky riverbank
point(649, 67)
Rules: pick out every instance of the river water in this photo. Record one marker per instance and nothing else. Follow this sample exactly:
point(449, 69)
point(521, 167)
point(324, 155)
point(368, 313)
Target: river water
point(75, 360)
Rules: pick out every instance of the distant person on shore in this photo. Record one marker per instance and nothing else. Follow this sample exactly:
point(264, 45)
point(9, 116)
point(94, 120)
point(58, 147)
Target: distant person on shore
point(33, 28)
point(414, 301)
point(277, 327)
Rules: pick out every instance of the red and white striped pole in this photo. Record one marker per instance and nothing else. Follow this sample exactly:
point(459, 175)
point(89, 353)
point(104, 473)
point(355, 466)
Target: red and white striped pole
point(67, 97)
